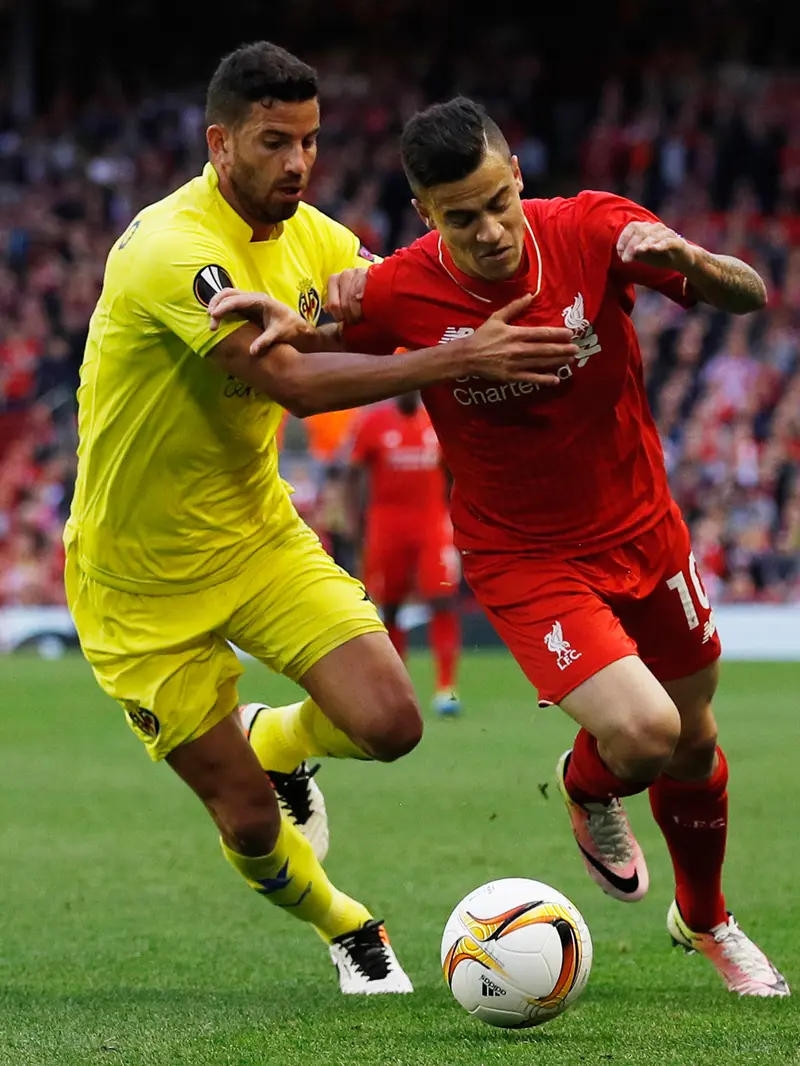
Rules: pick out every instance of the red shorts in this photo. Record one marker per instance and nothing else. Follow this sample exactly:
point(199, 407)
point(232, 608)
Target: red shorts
point(563, 620)
point(412, 558)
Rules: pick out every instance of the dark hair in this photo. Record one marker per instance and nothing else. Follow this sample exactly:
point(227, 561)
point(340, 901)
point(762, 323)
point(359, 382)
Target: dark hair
point(258, 71)
point(446, 142)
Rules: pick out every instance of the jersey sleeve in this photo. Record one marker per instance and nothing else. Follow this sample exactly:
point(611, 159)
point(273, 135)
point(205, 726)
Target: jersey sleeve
point(604, 216)
point(170, 279)
point(377, 333)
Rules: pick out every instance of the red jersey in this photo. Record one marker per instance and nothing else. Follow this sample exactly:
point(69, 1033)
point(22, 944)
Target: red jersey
point(570, 469)
point(404, 461)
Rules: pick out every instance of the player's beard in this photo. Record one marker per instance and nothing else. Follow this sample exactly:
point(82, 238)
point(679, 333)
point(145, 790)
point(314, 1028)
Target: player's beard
point(256, 207)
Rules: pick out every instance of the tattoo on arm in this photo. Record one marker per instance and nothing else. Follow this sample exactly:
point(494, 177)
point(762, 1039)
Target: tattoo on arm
point(727, 283)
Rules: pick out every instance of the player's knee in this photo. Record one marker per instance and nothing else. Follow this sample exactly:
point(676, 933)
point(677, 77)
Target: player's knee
point(644, 744)
point(248, 818)
point(397, 728)
point(693, 758)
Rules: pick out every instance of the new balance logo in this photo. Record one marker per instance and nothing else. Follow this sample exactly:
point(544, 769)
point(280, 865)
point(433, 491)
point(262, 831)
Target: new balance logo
point(562, 648)
point(710, 628)
point(455, 333)
point(582, 330)
point(490, 989)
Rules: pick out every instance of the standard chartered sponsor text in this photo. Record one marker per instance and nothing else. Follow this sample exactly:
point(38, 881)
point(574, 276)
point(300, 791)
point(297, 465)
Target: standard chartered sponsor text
point(470, 395)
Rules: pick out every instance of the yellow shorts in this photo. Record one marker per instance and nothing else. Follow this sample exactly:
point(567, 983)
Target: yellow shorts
point(168, 660)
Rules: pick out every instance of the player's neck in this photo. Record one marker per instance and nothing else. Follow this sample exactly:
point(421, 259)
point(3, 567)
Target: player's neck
point(262, 231)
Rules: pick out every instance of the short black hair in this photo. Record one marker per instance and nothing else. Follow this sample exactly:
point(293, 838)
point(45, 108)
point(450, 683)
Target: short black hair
point(258, 71)
point(446, 142)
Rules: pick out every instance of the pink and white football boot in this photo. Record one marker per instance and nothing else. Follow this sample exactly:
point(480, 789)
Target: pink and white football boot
point(610, 851)
point(742, 965)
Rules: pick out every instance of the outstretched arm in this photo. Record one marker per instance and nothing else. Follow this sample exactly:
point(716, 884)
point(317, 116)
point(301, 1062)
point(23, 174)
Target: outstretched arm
point(720, 280)
point(335, 380)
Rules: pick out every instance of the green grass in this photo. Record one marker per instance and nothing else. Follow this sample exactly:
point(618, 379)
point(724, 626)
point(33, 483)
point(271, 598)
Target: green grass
point(125, 939)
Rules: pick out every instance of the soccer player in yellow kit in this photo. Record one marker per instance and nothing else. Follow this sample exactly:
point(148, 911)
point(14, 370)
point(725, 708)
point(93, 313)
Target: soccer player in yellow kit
point(183, 539)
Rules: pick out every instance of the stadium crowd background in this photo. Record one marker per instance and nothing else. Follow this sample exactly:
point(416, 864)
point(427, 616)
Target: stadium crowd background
point(707, 135)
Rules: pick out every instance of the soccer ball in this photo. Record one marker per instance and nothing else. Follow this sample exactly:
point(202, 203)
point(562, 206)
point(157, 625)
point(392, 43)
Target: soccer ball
point(516, 953)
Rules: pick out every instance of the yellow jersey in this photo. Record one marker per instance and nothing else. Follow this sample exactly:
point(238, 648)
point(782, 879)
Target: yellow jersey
point(178, 481)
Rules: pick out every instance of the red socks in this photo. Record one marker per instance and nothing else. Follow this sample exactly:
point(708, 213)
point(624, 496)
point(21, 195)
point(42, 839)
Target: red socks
point(398, 637)
point(444, 634)
point(693, 816)
point(588, 778)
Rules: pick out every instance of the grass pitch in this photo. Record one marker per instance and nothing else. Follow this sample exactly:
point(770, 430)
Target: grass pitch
point(126, 939)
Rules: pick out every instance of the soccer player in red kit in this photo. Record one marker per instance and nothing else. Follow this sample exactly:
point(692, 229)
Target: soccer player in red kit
point(562, 514)
point(408, 542)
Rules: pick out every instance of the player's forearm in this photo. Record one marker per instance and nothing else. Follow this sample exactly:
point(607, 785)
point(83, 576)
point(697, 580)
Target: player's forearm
point(335, 381)
point(726, 282)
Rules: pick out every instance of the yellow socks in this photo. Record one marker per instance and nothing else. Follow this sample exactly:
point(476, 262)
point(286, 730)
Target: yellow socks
point(290, 877)
point(283, 736)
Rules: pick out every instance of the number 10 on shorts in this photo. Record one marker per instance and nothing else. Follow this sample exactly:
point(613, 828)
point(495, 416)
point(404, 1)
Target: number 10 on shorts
point(681, 585)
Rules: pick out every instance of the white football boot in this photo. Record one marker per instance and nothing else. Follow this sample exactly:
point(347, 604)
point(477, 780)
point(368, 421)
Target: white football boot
point(366, 962)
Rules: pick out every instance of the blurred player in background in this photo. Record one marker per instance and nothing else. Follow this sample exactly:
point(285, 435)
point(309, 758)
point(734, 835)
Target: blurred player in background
point(567, 530)
point(182, 538)
point(399, 498)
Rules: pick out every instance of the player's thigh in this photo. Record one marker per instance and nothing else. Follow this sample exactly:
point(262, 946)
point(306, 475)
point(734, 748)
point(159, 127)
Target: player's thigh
point(438, 564)
point(363, 687)
point(315, 623)
point(627, 710)
point(158, 657)
point(295, 605)
point(673, 626)
point(560, 631)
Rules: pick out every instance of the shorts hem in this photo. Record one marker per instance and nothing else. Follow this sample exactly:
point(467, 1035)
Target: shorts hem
point(218, 713)
point(562, 692)
point(300, 666)
point(713, 653)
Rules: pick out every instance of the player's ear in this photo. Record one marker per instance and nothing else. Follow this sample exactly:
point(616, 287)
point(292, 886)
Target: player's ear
point(217, 140)
point(422, 211)
point(517, 173)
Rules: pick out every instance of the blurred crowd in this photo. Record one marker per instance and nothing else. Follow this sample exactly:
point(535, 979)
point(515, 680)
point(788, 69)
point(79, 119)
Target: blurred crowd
point(714, 150)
